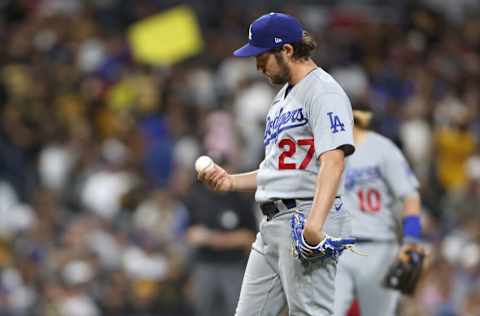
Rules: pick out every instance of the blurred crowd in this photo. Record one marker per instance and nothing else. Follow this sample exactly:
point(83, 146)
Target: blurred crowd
point(96, 149)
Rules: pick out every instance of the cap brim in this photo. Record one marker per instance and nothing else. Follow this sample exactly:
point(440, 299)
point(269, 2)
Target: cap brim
point(248, 50)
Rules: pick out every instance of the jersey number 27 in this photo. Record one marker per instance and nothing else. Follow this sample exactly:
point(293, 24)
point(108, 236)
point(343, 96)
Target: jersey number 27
point(290, 148)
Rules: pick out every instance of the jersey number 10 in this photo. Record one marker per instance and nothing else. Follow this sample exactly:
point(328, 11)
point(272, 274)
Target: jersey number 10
point(290, 148)
point(370, 200)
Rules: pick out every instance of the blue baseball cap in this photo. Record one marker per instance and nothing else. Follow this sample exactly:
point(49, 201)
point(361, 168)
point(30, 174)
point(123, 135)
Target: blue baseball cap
point(269, 31)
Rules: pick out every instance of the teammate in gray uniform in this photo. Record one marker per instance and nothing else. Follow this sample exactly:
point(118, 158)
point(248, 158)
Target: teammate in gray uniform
point(308, 134)
point(376, 177)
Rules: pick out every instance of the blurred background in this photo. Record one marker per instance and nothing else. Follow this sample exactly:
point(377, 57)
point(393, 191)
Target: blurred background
point(105, 104)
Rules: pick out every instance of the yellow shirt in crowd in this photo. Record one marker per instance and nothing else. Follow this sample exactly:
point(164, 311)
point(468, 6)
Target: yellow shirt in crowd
point(454, 147)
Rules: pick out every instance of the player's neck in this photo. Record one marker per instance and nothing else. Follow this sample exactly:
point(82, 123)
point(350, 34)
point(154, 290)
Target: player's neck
point(300, 69)
point(359, 135)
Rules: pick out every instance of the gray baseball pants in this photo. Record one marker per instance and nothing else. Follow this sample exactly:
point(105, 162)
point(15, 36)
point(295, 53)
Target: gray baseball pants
point(361, 277)
point(275, 278)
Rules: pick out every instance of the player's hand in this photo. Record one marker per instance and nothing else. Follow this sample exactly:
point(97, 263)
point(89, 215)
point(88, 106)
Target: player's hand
point(406, 248)
point(327, 247)
point(405, 271)
point(312, 236)
point(217, 179)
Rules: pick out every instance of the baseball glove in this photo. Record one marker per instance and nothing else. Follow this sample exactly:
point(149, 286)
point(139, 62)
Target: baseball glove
point(404, 275)
point(328, 247)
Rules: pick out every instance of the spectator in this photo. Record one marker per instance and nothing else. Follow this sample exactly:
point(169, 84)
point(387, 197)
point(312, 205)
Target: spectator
point(221, 231)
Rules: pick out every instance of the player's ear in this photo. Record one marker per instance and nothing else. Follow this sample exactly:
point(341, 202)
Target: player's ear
point(288, 50)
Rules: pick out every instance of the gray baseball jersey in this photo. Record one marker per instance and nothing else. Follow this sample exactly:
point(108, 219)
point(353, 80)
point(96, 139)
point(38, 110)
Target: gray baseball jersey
point(314, 117)
point(376, 176)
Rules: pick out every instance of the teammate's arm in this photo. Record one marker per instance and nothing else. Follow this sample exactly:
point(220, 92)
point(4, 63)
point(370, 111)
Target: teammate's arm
point(219, 179)
point(411, 225)
point(411, 205)
point(328, 179)
point(403, 183)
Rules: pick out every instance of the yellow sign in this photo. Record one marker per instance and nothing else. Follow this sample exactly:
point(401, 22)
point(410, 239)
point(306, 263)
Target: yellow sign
point(166, 38)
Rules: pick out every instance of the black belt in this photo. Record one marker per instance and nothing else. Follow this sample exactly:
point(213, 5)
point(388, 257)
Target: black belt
point(270, 209)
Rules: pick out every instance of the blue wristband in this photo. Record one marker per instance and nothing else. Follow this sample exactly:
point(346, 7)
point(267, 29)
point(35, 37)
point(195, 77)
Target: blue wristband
point(412, 228)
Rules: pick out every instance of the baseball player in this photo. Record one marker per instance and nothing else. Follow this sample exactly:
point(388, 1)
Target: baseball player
point(308, 134)
point(376, 177)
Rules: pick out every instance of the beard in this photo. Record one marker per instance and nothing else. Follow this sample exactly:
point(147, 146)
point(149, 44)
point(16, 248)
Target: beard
point(283, 76)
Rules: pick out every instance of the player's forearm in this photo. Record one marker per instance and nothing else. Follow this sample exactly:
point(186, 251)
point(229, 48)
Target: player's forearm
point(412, 205)
point(245, 181)
point(328, 179)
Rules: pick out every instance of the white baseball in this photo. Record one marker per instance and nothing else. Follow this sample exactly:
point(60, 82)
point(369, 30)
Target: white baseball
point(203, 163)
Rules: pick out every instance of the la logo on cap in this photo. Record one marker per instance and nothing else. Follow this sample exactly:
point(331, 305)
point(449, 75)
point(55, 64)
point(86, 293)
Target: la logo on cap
point(278, 40)
point(250, 32)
